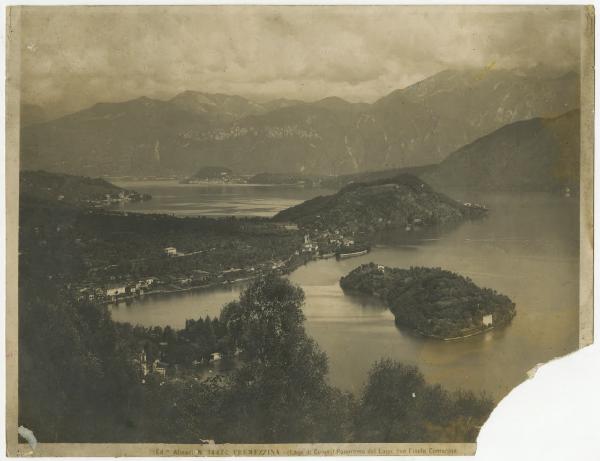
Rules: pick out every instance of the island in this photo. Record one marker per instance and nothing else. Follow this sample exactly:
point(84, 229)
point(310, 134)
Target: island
point(286, 179)
point(214, 174)
point(431, 301)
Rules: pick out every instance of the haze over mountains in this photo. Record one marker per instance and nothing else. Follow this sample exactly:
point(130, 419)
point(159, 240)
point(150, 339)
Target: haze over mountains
point(419, 125)
point(537, 154)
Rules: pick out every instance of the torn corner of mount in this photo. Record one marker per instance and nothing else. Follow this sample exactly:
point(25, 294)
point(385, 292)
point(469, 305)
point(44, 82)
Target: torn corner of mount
point(531, 373)
point(28, 435)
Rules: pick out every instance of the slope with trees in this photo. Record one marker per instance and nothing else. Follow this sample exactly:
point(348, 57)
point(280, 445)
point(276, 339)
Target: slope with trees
point(541, 154)
point(366, 208)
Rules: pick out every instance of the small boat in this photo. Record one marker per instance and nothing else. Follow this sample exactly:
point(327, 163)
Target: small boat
point(352, 254)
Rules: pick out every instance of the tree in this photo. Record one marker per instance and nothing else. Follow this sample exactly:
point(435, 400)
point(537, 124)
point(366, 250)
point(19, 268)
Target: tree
point(397, 405)
point(280, 393)
point(267, 321)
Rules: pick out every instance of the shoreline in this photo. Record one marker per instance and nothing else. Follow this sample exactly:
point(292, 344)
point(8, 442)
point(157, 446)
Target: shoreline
point(223, 284)
point(455, 338)
point(175, 182)
point(161, 292)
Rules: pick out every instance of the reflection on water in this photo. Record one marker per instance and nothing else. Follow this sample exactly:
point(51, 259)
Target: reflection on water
point(527, 249)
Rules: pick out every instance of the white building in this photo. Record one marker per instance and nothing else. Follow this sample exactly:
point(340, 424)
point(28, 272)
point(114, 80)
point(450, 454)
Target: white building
point(215, 356)
point(145, 369)
point(170, 251)
point(159, 368)
point(116, 291)
point(488, 320)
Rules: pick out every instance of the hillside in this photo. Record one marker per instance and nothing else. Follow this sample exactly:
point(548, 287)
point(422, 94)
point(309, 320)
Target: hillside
point(537, 154)
point(337, 182)
point(432, 301)
point(138, 137)
point(32, 113)
point(432, 118)
point(74, 190)
point(403, 202)
point(415, 126)
point(285, 179)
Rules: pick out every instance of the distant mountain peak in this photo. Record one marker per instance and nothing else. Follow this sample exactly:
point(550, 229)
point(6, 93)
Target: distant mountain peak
point(419, 125)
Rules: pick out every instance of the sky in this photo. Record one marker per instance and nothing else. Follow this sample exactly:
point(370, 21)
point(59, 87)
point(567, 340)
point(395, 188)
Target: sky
point(73, 57)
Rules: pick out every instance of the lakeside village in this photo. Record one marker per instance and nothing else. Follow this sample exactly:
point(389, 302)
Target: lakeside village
point(322, 246)
point(318, 243)
point(159, 358)
point(121, 197)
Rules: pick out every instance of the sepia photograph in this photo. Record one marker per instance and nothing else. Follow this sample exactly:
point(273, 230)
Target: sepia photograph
point(290, 230)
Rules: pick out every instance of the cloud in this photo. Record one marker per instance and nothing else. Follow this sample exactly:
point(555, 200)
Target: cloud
point(75, 56)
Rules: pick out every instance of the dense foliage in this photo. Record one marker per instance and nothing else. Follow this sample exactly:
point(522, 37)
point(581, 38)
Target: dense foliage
point(397, 405)
point(191, 345)
point(433, 301)
point(99, 246)
point(279, 394)
point(76, 378)
point(80, 381)
point(375, 206)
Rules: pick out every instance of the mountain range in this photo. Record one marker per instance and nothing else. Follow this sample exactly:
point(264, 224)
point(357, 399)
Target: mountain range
point(541, 154)
point(418, 125)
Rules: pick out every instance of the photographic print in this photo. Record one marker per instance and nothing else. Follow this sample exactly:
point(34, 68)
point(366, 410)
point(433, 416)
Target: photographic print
point(290, 230)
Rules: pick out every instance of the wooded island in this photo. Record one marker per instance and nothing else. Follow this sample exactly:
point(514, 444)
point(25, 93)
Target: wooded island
point(434, 302)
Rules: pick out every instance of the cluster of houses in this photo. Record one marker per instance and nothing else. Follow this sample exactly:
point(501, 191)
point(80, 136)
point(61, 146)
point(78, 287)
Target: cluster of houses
point(309, 246)
point(328, 239)
point(159, 366)
point(120, 197)
point(476, 206)
point(114, 291)
point(156, 366)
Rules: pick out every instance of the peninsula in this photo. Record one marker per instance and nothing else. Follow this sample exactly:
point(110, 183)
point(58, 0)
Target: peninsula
point(403, 202)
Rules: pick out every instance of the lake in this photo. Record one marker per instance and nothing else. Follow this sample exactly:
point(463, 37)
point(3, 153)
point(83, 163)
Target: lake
point(527, 248)
point(170, 197)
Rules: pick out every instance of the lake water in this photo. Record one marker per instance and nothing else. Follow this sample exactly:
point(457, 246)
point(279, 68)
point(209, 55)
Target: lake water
point(527, 249)
point(170, 197)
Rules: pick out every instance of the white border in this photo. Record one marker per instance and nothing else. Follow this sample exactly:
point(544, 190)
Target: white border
point(555, 416)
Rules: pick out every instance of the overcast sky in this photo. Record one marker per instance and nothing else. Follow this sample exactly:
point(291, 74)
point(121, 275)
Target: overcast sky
point(74, 57)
